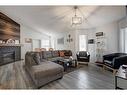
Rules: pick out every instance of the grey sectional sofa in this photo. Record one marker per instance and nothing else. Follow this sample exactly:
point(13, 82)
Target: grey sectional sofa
point(41, 70)
point(54, 56)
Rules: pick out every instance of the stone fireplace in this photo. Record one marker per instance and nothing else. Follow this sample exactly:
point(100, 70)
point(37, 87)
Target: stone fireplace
point(10, 50)
point(9, 54)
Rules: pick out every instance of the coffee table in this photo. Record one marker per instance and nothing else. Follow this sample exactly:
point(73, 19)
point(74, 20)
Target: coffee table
point(67, 62)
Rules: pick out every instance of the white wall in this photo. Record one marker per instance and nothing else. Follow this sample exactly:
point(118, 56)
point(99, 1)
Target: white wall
point(122, 24)
point(26, 32)
point(71, 45)
point(60, 46)
point(111, 31)
point(111, 34)
point(74, 46)
point(90, 47)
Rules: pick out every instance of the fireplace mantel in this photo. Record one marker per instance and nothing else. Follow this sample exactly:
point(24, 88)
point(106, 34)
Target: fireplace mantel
point(11, 45)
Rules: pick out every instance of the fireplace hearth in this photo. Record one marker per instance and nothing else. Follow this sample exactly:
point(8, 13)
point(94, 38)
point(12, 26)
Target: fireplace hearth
point(8, 57)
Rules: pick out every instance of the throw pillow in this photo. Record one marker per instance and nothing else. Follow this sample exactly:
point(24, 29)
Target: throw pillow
point(62, 54)
point(36, 57)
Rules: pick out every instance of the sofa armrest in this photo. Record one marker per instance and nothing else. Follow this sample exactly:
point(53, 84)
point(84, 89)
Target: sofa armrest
point(77, 56)
point(118, 61)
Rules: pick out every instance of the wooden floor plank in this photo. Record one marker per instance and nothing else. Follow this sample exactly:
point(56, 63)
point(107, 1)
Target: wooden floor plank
point(14, 76)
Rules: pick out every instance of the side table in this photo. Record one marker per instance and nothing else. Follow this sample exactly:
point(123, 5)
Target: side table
point(122, 74)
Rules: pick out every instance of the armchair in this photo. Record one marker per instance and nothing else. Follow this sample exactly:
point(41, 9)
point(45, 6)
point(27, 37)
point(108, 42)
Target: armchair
point(83, 57)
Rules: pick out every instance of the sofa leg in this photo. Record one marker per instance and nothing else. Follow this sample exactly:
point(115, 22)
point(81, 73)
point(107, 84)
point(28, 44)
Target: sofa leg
point(114, 72)
point(61, 77)
point(103, 68)
point(77, 64)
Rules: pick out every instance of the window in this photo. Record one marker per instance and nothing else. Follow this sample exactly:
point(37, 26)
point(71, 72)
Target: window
point(82, 43)
point(45, 44)
point(36, 43)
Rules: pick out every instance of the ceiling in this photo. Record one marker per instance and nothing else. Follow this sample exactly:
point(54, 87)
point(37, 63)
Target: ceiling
point(57, 19)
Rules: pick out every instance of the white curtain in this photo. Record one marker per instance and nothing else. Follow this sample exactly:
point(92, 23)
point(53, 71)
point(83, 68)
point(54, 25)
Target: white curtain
point(123, 40)
point(82, 42)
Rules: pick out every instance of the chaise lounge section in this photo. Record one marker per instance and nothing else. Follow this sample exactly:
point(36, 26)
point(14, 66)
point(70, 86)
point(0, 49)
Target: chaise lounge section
point(41, 70)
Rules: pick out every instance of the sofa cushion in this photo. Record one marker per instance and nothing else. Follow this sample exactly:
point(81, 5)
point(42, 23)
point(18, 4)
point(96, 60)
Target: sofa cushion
point(107, 61)
point(54, 59)
point(82, 54)
point(41, 56)
point(28, 59)
point(47, 69)
point(67, 53)
point(47, 54)
point(31, 59)
point(36, 57)
point(61, 53)
point(83, 57)
point(55, 53)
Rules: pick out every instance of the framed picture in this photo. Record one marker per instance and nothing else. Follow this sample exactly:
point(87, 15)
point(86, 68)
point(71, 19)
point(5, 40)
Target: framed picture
point(60, 41)
point(99, 34)
point(91, 41)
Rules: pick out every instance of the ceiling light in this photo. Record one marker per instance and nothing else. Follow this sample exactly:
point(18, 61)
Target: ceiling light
point(76, 20)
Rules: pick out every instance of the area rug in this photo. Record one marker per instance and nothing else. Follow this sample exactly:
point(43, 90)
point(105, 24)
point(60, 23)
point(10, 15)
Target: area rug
point(71, 69)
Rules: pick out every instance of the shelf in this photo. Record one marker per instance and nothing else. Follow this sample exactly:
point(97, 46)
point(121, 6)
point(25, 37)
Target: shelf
point(11, 45)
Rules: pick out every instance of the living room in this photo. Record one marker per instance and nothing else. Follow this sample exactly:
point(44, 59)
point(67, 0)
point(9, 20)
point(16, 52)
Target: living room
point(99, 31)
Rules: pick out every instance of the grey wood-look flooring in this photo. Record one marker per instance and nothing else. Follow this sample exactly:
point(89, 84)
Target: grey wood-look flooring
point(14, 76)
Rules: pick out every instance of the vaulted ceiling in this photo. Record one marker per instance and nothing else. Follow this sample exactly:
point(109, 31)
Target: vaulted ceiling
point(57, 19)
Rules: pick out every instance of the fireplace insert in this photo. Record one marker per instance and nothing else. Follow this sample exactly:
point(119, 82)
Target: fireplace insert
point(9, 54)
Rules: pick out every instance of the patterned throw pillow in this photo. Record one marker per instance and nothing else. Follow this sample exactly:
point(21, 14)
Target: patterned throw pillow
point(62, 54)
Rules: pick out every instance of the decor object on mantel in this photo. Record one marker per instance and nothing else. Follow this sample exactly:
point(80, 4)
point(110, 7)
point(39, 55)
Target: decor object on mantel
point(28, 40)
point(3, 45)
point(10, 41)
point(69, 39)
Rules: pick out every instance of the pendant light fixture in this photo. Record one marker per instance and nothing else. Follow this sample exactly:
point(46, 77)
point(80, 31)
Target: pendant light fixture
point(76, 20)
